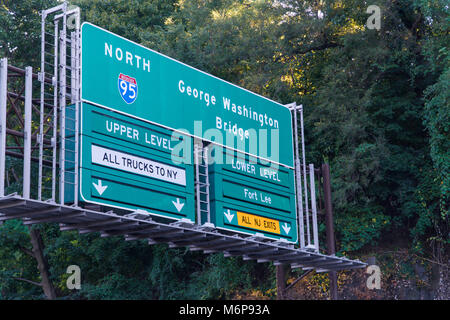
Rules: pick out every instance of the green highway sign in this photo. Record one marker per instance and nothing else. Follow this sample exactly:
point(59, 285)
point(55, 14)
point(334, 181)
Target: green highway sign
point(115, 191)
point(231, 217)
point(131, 164)
point(253, 195)
point(140, 112)
point(109, 125)
point(229, 162)
point(130, 79)
point(250, 197)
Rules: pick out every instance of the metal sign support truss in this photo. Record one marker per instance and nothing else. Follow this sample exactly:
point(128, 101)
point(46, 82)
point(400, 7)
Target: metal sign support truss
point(307, 217)
point(59, 103)
point(176, 234)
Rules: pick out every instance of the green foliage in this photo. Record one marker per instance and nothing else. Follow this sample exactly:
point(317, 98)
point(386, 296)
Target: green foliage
point(359, 229)
point(434, 186)
point(376, 108)
point(131, 19)
point(437, 120)
point(112, 268)
point(365, 116)
point(20, 30)
point(226, 275)
point(16, 263)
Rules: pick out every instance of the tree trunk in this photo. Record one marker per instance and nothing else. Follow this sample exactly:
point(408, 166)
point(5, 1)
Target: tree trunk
point(331, 247)
point(281, 282)
point(38, 253)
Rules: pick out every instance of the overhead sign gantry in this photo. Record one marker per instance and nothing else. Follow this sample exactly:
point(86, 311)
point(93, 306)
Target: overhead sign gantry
point(128, 144)
point(133, 101)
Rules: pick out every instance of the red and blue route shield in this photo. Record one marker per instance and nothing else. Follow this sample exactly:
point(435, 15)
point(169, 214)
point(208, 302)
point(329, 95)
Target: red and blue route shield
point(128, 88)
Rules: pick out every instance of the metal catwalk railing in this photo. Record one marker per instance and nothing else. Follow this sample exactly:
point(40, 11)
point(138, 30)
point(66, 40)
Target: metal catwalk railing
point(59, 103)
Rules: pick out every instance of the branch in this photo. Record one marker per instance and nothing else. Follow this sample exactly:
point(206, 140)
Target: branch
point(298, 279)
point(323, 46)
point(29, 281)
point(429, 260)
point(27, 251)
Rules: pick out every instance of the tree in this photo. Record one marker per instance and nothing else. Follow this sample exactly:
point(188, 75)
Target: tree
point(21, 30)
point(376, 108)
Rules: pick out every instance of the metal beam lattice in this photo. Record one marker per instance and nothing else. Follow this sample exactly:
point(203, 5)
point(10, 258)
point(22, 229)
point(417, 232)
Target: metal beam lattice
point(306, 201)
point(202, 183)
point(59, 103)
point(175, 234)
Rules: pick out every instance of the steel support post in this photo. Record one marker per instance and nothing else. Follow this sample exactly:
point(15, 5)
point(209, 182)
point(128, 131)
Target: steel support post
point(77, 107)
point(42, 105)
point(55, 109)
point(197, 182)
point(3, 100)
point(73, 68)
point(281, 281)
point(298, 183)
point(329, 226)
point(305, 189)
point(75, 99)
point(313, 206)
point(27, 132)
point(206, 157)
point(62, 104)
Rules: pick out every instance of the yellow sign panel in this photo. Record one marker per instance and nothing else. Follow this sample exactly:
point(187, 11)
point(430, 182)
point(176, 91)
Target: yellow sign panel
point(257, 222)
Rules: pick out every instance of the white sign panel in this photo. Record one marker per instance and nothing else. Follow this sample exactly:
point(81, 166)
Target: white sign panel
point(134, 164)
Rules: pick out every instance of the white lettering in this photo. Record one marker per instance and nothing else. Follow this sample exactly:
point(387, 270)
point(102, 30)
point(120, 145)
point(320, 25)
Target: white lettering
point(119, 57)
point(226, 103)
point(146, 64)
point(134, 164)
point(374, 280)
point(128, 58)
point(108, 50)
point(242, 166)
point(196, 93)
point(138, 59)
point(123, 130)
point(181, 86)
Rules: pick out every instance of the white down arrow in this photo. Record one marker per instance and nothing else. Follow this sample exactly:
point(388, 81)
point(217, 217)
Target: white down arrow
point(286, 228)
point(99, 187)
point(229, 215)
point(178, 204)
